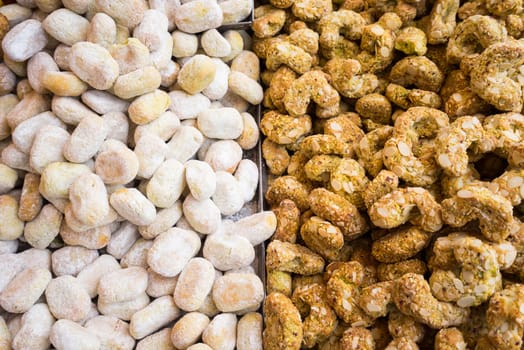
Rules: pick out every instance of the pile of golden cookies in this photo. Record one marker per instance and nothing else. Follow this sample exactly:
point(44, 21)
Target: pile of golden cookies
point(391, 164)
point(394, 142)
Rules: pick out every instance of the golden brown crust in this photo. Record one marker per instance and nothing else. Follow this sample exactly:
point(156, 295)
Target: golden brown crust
point(401, 325)
point(505, 318)
point(376, 300)
point(288, 187)
point(324, 144)
point(413, 297)
point(284, 129)
point(390, 272)
point(288, 221)
point(471, 276)
point(320, 166)
point(289, 257)
point(450, 339)
point(323, 238)
point(319, 319)
point(400, 244)
point(283, 324)
point(370, 149)
point(473, 202)
point(343, 293)
point(312, 86)
point(349, 78)
point(357, 338)
point(284, 53)
point(394, 209)
point(268, 21)
point(279, 281)
point(349, 180)
point(375, 107)
point(276, 156)
point(280, 83)
point(402, 152)
point(505, 94)
point(339, 211)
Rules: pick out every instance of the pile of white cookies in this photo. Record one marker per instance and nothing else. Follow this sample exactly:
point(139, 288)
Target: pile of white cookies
point(123, 132)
